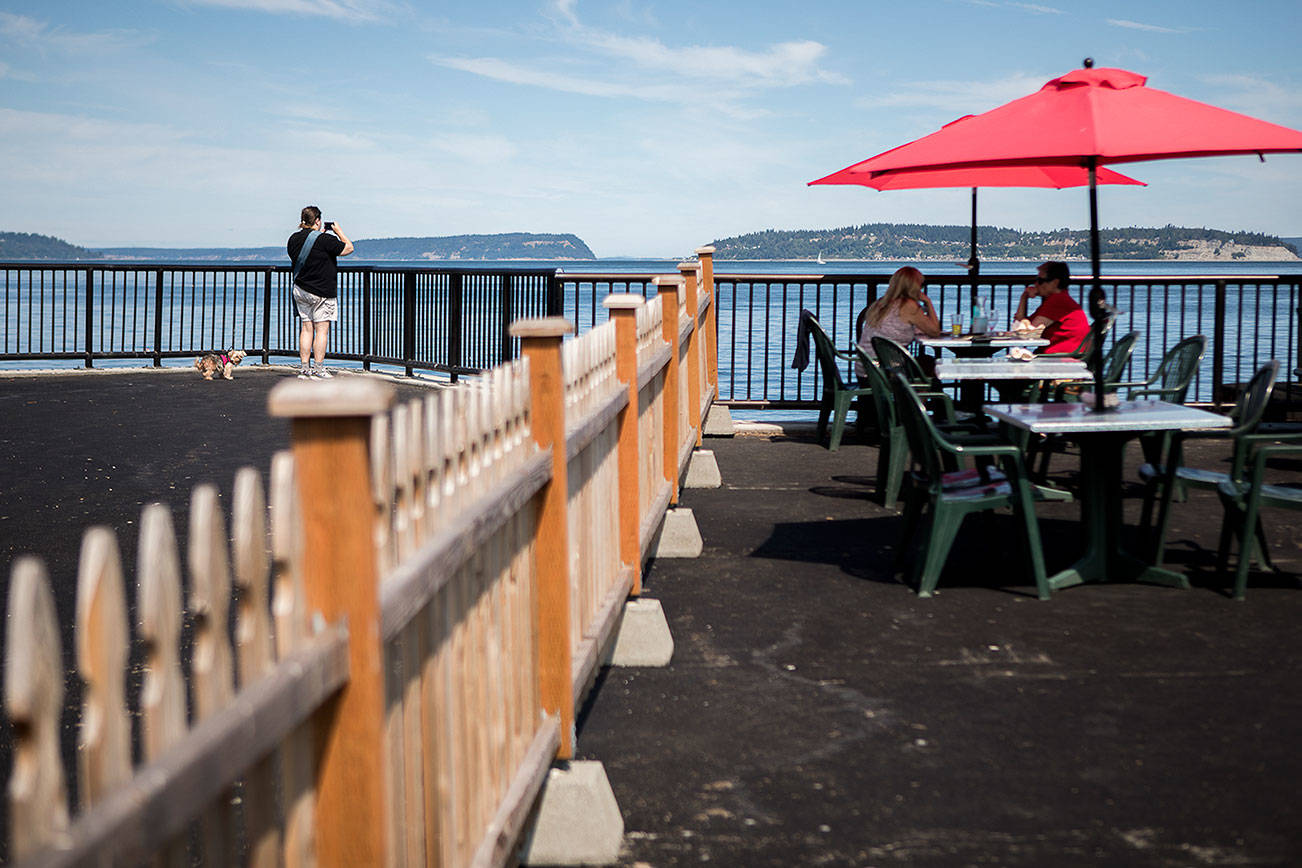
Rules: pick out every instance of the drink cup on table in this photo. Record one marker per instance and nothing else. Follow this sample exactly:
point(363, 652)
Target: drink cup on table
point(956, 327)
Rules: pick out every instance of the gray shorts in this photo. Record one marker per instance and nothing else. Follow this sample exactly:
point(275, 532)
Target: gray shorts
point(314, 308)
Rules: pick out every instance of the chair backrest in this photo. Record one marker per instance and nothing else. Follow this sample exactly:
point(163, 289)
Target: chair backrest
point(1253, 400)
point(895, 359)
point(918, 429)
point(1114, 365)
point(1176, 370)
point(887, 418)
point(1247, 413)
point(1091, 346)
point(825, 350)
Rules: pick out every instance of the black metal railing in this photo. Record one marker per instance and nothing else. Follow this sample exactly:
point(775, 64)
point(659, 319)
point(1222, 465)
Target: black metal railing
point(454, 320)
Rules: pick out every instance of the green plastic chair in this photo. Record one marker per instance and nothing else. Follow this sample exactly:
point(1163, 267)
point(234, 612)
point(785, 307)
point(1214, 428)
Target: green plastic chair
point(895, 359)
point(838, 396)
point(892, 447)
point(942, 500)
point(1243, 499)
point(1169, 382)
point(1246, 417)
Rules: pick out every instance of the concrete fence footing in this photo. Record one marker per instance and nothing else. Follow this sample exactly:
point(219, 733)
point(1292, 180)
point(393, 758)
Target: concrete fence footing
point(577, 821)
point(679, 536)
point(718, 422)
point(703, 471)
point(643, 637)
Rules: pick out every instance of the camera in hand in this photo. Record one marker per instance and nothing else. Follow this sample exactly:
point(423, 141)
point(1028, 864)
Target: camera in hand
point(329, 226)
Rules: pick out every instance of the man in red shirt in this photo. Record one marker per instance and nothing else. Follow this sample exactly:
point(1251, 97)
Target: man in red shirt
point(1065, 324)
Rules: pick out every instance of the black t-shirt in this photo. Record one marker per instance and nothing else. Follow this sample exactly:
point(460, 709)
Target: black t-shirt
point(318, 274)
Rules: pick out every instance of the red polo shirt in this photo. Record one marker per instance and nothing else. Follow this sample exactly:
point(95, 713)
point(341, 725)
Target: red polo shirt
point(1069, 326)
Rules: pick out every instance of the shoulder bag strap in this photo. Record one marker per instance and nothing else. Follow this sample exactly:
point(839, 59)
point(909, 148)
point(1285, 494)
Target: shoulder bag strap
point(302, 254)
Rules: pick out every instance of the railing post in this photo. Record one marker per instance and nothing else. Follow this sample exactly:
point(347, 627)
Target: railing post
point(623, 310)
point(158, 319)
point(689, 271)
point(555, 295)
point(541, 346)
point(456, 312)
point(1218, 344)
point(330, 430)
point(667, 288)
point(367, 343)
point(90, 317)
point(266, 311)
point(409, 320)
point(508, 306)
point(706, 255)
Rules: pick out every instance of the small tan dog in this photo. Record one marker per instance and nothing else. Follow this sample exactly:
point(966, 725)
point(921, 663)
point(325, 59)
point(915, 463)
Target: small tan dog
point(210, 363)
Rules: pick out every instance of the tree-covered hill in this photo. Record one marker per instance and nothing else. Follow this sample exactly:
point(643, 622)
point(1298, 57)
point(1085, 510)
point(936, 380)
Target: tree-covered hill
point(918, 241)
point(18, 246)
point(21, 246)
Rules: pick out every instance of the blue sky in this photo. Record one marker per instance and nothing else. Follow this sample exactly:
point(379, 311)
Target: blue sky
point(647, 128)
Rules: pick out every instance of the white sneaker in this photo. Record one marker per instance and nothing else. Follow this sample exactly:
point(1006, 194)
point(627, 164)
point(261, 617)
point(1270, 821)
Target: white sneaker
point(304, 374)
point(322, 374)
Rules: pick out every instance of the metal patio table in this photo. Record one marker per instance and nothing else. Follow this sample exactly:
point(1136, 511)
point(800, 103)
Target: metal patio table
point(973, 374)
point(971, 348)
point(1102, 436)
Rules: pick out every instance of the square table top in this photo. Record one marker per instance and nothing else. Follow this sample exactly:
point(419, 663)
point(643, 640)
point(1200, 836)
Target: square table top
point(1065, 418)
point(968, 342)
point(1010, 369)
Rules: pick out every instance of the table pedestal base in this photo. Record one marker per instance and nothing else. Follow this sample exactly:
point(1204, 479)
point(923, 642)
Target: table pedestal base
point(1105, 560)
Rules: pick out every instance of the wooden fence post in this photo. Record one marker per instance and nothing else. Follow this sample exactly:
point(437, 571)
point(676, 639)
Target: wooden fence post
point(706, 255)
point(330, 430)
point(690, 272)
point(668, 288)
point(623, 310)
point(540, 345)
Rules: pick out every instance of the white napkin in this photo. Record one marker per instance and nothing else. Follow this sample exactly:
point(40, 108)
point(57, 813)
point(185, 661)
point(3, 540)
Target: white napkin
point(1020, 354)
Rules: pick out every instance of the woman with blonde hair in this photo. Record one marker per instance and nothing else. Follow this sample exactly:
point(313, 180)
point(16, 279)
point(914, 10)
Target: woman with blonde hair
point(903, 314)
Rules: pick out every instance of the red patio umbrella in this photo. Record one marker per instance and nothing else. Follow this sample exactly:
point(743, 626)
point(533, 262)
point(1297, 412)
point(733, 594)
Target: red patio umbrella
point(1054, 176)
point(1087, 118)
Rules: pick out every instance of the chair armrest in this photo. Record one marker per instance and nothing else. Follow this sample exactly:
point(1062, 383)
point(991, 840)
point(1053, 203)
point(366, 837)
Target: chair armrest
point(1135, 393)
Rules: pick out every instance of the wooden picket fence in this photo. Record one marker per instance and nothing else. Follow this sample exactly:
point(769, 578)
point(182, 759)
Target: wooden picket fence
point(421, 602)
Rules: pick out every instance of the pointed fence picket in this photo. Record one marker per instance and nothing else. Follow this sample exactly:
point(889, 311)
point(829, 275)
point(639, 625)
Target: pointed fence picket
point(408, 653)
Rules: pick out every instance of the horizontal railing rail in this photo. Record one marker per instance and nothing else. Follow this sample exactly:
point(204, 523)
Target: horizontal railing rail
point(453, 321)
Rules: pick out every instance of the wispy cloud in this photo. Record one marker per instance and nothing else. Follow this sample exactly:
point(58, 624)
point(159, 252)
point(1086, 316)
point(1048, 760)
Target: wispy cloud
point(1277, 102)
point(1147, 28)
point(343, 10)
point(960, 96)
point(483, 150)
point(649, 69)
point(1033, 8)
point(780, 65)
point(1036, 8)
point(27, 32)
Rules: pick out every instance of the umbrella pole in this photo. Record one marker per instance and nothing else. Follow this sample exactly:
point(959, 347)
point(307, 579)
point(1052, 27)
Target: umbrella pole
point(1097, 305)
point(974, 264)
point(1094, 217)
